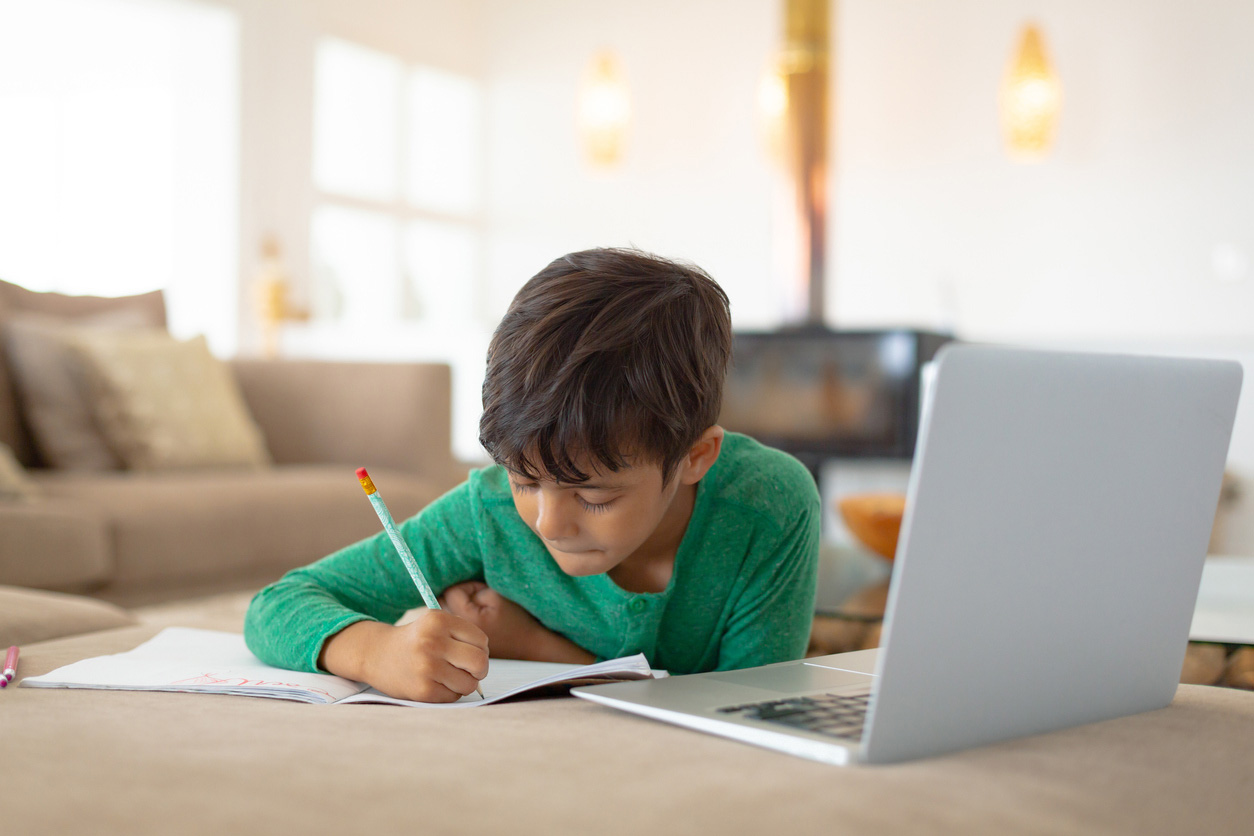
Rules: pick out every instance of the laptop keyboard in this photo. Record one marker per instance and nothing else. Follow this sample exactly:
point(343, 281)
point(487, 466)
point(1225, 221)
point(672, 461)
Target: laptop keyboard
point(835, 715)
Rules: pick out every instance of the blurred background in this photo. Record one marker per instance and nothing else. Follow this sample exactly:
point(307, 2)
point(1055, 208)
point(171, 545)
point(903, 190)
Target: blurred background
point(375, 179)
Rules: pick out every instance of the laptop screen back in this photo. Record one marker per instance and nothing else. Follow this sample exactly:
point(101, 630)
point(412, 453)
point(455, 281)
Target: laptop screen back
point(1057, 520)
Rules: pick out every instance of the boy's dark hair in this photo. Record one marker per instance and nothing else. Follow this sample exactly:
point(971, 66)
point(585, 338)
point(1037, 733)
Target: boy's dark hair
point(607, 354)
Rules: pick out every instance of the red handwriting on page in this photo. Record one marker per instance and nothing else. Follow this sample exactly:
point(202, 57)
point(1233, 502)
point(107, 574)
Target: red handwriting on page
point(211, 679)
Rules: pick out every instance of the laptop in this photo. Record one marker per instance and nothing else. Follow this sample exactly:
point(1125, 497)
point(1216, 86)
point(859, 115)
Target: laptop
point(1057, 518)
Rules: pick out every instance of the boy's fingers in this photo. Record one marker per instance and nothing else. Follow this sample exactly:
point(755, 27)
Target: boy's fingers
point(462, 596)
point(455, 597)
point(469, 658)
point(436, 691)
point(457, 679)
point(464, 631)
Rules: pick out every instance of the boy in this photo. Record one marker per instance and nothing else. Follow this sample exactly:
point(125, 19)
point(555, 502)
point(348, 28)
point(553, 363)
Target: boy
point(618, 518)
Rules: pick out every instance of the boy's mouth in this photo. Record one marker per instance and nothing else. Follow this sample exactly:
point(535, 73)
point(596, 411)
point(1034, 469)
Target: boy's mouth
point(574, 551)
point(555, 547)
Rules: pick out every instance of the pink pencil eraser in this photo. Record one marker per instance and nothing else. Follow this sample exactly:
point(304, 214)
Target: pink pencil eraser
point(361, 473)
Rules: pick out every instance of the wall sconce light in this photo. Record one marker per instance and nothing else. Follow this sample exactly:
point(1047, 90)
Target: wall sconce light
point(1031, 97)
point(604, 110)
point(773, 110)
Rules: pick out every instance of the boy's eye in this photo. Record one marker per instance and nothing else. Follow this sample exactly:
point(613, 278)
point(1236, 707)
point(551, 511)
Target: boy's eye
point(594, 507)
point(522, 487)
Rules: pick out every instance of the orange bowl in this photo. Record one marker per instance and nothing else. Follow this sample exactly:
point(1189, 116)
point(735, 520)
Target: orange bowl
point(875, 520)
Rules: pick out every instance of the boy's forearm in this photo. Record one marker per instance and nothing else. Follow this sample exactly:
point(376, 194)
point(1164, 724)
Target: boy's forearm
point(547, 646)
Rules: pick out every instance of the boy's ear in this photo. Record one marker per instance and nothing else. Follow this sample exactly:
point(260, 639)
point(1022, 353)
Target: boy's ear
point(701, 456)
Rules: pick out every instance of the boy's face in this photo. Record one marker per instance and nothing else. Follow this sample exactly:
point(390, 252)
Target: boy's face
point(592, 527)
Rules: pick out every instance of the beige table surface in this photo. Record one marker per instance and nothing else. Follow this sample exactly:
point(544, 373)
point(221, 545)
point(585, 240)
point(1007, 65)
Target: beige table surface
point(163, 763)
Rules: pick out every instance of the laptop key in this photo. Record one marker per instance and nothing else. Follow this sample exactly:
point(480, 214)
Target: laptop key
point(834, 715)
point(774, 712)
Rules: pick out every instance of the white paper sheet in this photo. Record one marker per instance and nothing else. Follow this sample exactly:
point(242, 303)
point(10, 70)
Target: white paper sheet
point(1225, 602)
point(212, 662)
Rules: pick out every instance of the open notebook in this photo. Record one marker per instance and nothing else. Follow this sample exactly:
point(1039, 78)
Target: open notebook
point(212, 662)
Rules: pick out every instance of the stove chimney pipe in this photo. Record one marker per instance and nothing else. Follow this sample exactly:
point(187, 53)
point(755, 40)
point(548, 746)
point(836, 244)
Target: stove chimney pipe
point(803, 229)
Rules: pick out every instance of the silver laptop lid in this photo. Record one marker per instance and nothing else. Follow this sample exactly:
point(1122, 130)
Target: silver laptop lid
point(1057, 518)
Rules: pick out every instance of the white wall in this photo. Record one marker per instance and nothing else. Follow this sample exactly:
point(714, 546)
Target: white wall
point(694, 182)
point(1112, 237)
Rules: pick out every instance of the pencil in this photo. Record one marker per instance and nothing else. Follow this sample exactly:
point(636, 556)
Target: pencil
point(407, 557)
point(10, 667)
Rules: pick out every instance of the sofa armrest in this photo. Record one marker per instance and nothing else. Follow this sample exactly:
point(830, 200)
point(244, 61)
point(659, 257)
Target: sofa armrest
point(358, 414)
point(30, 615)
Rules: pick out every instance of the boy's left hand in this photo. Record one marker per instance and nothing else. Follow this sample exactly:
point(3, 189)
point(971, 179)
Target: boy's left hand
point(513, 633)
point(510, 628)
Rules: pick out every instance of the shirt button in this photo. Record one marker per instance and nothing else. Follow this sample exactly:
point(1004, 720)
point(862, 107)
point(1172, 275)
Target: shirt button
point(637, 605)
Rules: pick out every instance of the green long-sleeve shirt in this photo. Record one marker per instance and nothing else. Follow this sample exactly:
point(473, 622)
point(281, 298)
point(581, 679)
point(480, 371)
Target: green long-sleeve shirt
point(742, 591)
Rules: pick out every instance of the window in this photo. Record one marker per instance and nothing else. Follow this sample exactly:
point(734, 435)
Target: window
point(356, 121)
point(118, 154)
point(396, 167)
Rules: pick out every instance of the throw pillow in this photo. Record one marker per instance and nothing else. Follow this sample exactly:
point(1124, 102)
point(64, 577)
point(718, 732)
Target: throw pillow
point(14, 483)
point(167, 404)
point(18, 301)
point(57, 411)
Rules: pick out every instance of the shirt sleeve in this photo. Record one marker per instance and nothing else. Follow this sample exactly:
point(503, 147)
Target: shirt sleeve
point(288, 621)
point(772, 616)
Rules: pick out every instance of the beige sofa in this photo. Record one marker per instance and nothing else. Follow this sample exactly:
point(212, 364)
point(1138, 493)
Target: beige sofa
point(136, 537)
point(161, 763)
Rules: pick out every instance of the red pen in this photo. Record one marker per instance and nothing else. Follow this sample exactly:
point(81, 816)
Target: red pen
point(10, 667)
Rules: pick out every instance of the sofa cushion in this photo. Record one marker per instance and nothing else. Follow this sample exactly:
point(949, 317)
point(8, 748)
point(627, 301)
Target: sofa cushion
point(29, 615)
point(164, 403)
point(54, 401)
point(53, 544)
point(16, 300)
point(178, 528)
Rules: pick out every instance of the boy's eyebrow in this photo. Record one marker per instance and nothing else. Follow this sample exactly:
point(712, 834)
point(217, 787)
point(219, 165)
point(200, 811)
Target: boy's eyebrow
point(594, 485)
point(591, 484)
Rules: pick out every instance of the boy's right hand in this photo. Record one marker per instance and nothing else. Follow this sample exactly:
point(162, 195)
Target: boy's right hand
point(439, 657)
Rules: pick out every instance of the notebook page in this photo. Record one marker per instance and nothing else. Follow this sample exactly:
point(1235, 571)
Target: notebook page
point(183, 659)
point(196, 661)
point(508, 677)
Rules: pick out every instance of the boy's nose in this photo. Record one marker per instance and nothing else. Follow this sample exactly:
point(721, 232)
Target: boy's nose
point(552, 522)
